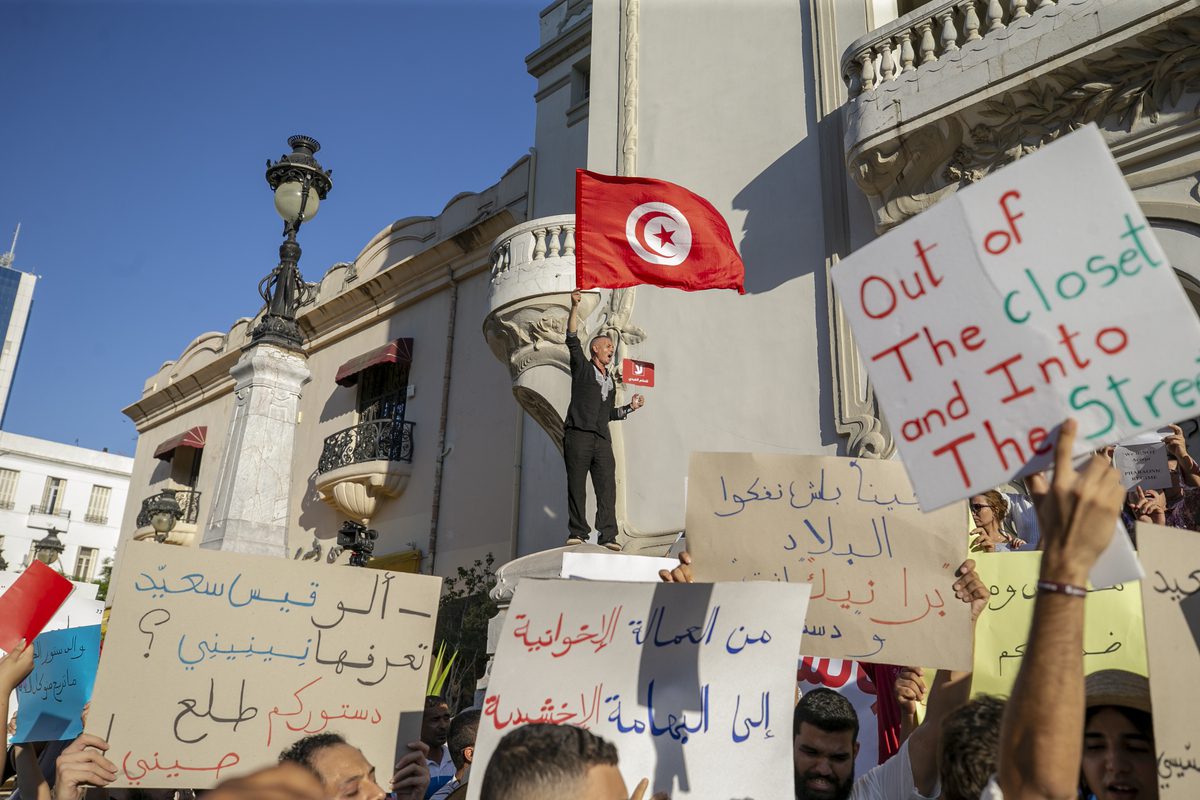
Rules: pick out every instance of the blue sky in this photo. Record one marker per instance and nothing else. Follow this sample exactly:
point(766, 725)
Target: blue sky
point(133, 145)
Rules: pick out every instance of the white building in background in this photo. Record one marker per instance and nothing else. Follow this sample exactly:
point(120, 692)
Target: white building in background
point(78, 492)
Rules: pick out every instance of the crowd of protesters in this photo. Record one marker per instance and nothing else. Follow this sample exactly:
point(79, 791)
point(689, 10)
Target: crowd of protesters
point(1057, 736)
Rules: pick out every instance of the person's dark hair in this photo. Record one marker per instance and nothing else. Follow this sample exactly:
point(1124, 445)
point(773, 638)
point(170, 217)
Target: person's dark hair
point(969, 747)
point(433, 701)
point(825, 709)
point(1142, 720)
point(543, 761)
point(302, 752)
point(463, 729)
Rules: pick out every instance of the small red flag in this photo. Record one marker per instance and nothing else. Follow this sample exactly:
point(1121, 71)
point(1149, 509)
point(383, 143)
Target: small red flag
point(630, 231)
point(637, 373)
point(30, 603)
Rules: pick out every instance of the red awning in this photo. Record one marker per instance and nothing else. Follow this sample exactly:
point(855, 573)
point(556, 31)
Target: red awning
point(192, 437)
point(397, 352)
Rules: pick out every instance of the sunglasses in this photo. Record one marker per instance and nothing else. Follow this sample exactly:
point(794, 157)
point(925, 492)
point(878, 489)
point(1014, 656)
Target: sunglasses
point(977, 507)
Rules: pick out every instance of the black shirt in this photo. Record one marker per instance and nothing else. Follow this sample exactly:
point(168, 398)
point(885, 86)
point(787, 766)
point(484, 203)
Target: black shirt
point(589, 411)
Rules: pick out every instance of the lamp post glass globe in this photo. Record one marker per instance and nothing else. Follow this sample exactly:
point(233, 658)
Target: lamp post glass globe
point(164, 511)
point(162, 522)
point(49, 549)
point(289, 198)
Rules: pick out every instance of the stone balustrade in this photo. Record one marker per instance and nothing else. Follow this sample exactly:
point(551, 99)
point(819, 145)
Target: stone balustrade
point(534, 258)
point(928, 34)
point(533, 275)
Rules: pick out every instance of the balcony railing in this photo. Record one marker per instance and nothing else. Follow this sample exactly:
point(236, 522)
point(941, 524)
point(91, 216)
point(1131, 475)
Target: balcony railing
point(378, 440)
point(930, 33)
point(189, 504)
point(96, 519)
point(49, 511)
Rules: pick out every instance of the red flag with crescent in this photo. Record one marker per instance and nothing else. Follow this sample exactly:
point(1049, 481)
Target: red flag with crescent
point(631, 231)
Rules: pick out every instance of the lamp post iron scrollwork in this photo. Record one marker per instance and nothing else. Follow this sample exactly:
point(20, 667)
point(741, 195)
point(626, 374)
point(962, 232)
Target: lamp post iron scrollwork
point(300, 184)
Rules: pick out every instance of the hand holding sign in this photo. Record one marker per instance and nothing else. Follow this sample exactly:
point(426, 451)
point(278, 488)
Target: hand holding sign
point(15, 666)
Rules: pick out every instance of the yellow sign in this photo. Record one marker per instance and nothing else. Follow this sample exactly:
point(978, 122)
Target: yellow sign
point(1114, 635)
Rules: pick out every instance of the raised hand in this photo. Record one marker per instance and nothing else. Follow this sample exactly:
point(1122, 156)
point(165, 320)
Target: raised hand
point(682, 573)
point(82, 765)
point(410, 779)
point(1079, 512)
point(910, 689)
point(970, 589)
point(15, 666)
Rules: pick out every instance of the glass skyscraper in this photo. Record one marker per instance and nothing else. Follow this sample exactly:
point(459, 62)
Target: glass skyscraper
point(16, 297)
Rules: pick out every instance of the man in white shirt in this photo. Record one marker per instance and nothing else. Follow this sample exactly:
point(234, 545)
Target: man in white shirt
point(825, 730)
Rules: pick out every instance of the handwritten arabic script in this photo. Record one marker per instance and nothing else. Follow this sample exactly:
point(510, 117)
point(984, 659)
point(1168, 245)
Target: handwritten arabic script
point(1113, 636)
point(880, 569)
point(252, 654)
point(1171, 598)
point(674, 675)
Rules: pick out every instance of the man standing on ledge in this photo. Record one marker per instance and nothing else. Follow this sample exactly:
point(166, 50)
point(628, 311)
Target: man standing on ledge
point(586, 443)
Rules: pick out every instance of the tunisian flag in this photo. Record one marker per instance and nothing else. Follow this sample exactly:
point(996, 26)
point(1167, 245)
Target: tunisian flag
point(630, 231)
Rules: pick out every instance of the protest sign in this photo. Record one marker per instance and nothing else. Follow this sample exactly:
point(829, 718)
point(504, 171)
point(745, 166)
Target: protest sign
point(249, 654)
point(80, 609)
point(53, 696)
point(1142, 462)
point(614, 567)
point(685, 679)
point(29, 603)
point(1113, 637)
point(881, 570)
point(1036, 294)
point(1171, 593)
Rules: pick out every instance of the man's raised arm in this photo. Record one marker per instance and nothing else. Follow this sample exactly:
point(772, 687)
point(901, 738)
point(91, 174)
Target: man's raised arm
point(1041, 740)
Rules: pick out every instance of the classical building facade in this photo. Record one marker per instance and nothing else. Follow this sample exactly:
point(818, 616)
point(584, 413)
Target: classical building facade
point(79, 493)
point(811, 126)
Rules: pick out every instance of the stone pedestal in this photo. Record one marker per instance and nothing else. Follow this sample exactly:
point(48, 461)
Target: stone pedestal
point(251, 508)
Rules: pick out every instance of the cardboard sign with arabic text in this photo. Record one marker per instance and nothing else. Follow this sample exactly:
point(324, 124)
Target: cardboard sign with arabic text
point(1171, 594)
point(685, 679)
point(215, 662)
point(53, 696)
point(1113, 637)
point(880, 568)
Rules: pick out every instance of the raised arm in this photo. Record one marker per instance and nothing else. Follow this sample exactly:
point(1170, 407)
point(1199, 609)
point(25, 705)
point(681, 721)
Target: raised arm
point(573, 317)
point(1041, 740)
point(1189, 470)
point(949, 691)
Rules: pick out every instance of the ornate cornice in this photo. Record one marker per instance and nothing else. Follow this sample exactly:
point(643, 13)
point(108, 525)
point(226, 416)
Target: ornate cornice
point(1122, 89)
point(1145, 81)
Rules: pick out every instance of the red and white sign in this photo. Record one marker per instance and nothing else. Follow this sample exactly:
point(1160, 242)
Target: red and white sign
point(631, 231)
point(637, 373)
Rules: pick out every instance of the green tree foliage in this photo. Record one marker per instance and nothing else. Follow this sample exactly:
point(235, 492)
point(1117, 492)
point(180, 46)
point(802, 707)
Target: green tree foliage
point(463, 613)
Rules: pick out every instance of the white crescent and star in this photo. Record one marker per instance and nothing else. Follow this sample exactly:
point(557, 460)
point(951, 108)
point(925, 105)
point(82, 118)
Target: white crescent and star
point(673, 234)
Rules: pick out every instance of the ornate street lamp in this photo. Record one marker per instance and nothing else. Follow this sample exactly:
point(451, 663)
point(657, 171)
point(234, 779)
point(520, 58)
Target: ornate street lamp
point(300, 184)
point(164, 511)
point(48, 550)
point(359, 540)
